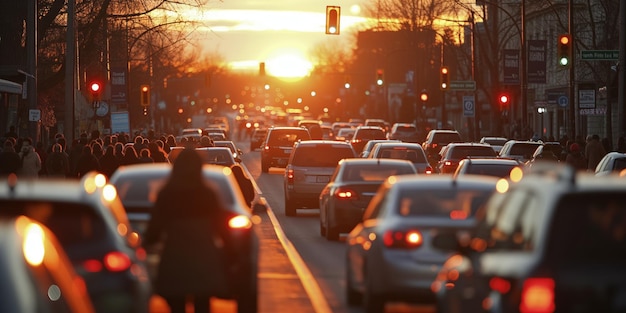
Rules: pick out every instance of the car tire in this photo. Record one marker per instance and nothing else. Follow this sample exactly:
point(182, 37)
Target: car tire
point(290, 207)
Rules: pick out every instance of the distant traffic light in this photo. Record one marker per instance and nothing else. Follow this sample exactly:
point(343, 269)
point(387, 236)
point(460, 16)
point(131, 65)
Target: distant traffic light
point(95, 88)
point(564, 50)
point(333, 13)
point(145, 111)
point(424, 95)
point(504, 100)
point(444, 78)
point(380, 79)
point(145, 95)
point(261, 68)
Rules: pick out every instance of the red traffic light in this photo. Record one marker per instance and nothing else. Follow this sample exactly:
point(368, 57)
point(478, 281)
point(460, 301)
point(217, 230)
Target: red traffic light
point(504, 100)
point(380, 77)
point(95, 87)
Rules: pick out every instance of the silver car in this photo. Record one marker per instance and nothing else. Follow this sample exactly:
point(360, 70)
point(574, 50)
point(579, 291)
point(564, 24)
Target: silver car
point(310, 166)
point(390, 255)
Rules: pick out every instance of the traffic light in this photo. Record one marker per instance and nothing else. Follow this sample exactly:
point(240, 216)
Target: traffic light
point(145, 111)
point(261, 68)
point(145, 95)
point(564, 50)
point(95, 88)
point(380, 77)
point(347, 83)
point(504, 100)
point(333, 13)
point(424, 96)
point(444, 78)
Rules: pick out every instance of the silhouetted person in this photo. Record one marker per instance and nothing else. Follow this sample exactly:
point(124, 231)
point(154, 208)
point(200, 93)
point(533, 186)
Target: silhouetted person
point(244, 182)
point(575, 157)
point(11, 133)
point(190, 219)
point(31, 163)
point(87, 162)
point(109, 162)
point(57, 163)
point(10, 161)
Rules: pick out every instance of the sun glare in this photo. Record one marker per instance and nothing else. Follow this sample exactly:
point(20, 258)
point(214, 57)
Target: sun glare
point(288, 65)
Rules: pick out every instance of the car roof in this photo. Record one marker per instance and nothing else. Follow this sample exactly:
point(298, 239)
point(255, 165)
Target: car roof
point(443, 181)
point(52, 189)
point(392, 143)
point(493, 160)
point(322, 142)
point(365, 161)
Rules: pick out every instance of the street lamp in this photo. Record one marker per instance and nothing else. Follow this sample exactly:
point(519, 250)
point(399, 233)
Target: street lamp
point(541, 111)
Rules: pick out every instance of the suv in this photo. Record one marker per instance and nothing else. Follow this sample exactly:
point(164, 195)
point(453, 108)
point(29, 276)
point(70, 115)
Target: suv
point(453, 153)
point(404, 131)
point(363, 134)
point(278, 144)
point(519, 150)
point(555, 239)
point(310, 166)
point(437, 139)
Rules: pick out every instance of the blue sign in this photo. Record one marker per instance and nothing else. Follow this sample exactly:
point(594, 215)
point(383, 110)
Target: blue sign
point(468, 106)
point(563, 101)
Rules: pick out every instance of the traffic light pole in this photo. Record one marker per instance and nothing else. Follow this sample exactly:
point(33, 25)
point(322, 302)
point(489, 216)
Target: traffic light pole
point(572, 72)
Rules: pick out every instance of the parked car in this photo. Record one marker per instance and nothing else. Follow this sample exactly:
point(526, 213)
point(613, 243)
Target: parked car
point(409, 151)
point(36, 274)
point(453, 153)
point(309, 169)
point(257, 138)
point(611, 162)
point(138, 187)
point(553, 241)
point(278, 145)
point(487, 166)
point(90, 223)
point(390, 256)
point(352, 186)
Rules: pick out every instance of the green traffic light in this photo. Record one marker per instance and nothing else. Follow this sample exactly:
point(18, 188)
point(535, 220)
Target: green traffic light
point(564, 61)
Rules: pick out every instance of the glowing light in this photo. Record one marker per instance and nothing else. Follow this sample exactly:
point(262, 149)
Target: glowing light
point(289, 65)
point(516, 174)
point(33, 246)
point(239, 222)
point(100, 180)
point(502, 185)
point(109, 193)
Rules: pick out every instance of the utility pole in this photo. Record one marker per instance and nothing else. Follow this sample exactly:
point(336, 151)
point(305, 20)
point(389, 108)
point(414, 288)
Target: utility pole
point(572, 72)
point(524, 70)
point(621, 71)
point(70, 77)
point(31, 65)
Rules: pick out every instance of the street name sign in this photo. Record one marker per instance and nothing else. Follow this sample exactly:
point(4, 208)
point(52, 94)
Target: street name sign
point(463, 85)
point(599, 54)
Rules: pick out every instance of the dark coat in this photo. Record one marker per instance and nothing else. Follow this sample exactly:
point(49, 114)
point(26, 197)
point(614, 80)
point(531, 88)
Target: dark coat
point(245, 183)
point(190, 221)
point(10, 162)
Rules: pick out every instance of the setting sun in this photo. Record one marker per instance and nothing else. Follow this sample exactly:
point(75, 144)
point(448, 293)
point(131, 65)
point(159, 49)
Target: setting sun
point(288, 65)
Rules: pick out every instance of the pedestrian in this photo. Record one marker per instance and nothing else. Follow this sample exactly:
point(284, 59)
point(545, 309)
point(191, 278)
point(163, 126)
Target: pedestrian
point(594, 152)
point(31, 163)
point(575, 158)
point(87, 162)
point(57, 163)
point(10, 161)
point(144, 156)
point(11, 133)
point(156, 151)
point(244, 182)
point(130, 156)
point(188, 211)
point(108, 162)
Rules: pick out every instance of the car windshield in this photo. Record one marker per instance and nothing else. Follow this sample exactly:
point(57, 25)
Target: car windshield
point(320, 155)
point(375, 173)
point(451, 203)
point(286, 138)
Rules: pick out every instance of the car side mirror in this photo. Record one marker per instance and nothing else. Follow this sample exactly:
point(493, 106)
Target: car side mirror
point(259, 206)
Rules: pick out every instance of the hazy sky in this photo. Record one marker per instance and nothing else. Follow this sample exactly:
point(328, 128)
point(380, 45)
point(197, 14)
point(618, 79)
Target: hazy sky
point(246, 32)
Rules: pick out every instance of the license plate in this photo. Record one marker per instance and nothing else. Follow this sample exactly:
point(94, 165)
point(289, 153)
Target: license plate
point(323, 179)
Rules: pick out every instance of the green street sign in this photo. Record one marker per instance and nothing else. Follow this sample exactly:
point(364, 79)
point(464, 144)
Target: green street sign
point(599, 54)
point(462, 85)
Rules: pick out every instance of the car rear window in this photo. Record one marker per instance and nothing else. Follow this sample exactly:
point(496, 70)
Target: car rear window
point(589, 226)
point(321, 155)
point(496, 170)
point(405, 129)
point(619, 164)
point(523, 149)
point(376, 173)
point(369, 134)
point(285, 138)
point(451, 203)
point(462, 152)
point(446, 138)
point(72, 223)
point(415, 156)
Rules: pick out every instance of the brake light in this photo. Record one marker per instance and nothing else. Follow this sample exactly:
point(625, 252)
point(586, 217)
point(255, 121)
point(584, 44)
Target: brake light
point(346, 194)
point(403, 239)
point(458, 215)
point(239, 222)
point(429, 170)
point(434, 145)
point(500, 285)
point(537, 295)
point(266, 148)
point(290, 176)
point(116, 262)
point(448, 163)
point(92, 266)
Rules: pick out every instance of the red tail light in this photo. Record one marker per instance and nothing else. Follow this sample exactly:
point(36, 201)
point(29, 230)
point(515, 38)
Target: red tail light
point(266, 147)
point(92, 266)
point(537, 295)
point(429, 170)
point(403, 239)
point(346, 194)
point(116, 262)
point(458, 215)
point(290, 176)
point(500, 285)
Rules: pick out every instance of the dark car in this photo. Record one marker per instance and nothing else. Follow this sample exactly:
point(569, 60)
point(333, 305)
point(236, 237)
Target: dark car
point(210, 155)
point(257, 138)
point(91, 225)
point(36, 274)
point(352, 186)
point(487, 166)
point(363, 134)
point(310, 166)
point(406, 132)
point(278, 144)
point(519, 150)
point(409, 151)
point(453, 153)
point(138, 186)
point(552, 242)
point(436, 140)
